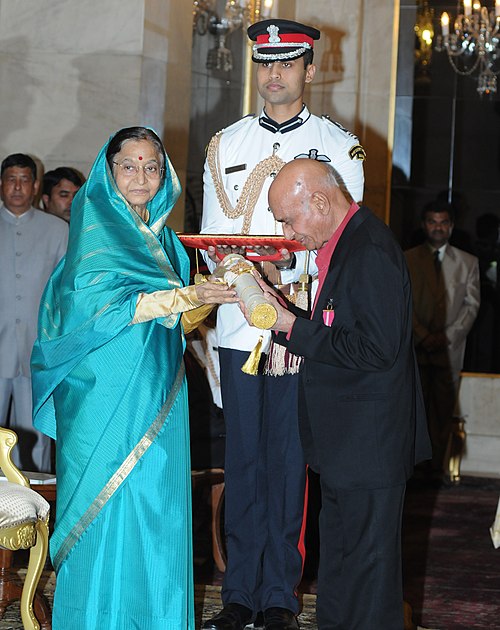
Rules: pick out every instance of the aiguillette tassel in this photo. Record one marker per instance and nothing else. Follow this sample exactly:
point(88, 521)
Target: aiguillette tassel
point(198, 277)
point(251, 365)
point(302, 298)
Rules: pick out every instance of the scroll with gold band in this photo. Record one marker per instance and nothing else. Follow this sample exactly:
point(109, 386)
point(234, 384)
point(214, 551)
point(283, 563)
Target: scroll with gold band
point(237, 272)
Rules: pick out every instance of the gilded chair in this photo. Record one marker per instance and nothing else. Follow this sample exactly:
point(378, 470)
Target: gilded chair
point(24, 516)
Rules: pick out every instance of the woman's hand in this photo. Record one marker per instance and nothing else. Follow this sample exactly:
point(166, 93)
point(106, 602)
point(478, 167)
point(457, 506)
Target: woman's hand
point(215, 293)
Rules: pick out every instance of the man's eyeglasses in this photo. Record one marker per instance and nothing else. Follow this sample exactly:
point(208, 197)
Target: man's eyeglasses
point(151, 170)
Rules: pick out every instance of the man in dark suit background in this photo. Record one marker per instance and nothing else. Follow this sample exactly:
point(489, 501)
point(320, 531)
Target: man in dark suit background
point(446, 298)
point(361, 413)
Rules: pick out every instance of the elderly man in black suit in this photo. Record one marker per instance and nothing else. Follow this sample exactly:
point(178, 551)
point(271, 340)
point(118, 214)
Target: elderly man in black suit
point(361, 413)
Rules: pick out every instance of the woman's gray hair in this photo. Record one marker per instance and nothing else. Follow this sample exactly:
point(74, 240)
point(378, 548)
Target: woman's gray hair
point(134, 133)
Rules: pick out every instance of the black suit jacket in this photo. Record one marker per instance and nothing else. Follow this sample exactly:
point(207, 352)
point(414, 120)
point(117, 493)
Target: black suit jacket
point(361, 413)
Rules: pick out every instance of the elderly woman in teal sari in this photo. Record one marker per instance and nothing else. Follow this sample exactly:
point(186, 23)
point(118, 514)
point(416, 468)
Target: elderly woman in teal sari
point(109, 387)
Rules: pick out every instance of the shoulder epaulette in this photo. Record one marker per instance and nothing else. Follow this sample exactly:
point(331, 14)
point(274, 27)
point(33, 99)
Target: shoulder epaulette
point(337, 124)
point(237, 122)
point(356, 152)
point(212, 140)
point(231, 126)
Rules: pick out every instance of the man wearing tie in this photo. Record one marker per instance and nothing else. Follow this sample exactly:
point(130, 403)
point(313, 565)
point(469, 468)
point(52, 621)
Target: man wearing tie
point(446, 295)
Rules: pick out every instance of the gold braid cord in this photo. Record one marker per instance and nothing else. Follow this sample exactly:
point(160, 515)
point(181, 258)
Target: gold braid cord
point(252, 188)
point(210, 362)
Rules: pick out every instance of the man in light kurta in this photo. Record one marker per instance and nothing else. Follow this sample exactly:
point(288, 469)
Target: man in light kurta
point(31, 244)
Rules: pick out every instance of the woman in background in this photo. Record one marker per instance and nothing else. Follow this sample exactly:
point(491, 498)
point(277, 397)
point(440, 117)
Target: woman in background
point(109, 386)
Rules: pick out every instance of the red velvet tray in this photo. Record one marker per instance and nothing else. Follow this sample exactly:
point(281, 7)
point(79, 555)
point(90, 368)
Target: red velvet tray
point(249, 241)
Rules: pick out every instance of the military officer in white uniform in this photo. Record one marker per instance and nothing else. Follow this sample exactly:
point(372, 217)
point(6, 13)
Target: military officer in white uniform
point(31, 244)
point(264, 467)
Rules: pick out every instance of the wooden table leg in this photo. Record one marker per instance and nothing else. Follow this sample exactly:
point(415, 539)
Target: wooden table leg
point(9, 590)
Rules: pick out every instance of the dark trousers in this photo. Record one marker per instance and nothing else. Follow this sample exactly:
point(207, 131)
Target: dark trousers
point(264, 482)
point(360, 573)
point(440, 389)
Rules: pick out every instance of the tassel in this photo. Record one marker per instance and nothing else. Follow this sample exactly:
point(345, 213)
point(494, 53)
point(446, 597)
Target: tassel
point(302, 299)
point(279, 360)
point(251, 365)
point(302, 295)
point(276, 360)
point(198, 277)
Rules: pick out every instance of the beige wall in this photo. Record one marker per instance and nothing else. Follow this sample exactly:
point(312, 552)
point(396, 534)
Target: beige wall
point(355, 84)
point(478, 405)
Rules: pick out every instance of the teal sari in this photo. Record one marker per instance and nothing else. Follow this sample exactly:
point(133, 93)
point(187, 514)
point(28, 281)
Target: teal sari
point(113, 395)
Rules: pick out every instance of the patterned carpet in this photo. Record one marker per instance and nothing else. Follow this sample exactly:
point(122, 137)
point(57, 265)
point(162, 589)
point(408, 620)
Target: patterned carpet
point(451, 569)
point(207, 603)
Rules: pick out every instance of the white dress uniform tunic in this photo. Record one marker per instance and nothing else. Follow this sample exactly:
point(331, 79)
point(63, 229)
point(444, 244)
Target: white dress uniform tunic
point(242, 146)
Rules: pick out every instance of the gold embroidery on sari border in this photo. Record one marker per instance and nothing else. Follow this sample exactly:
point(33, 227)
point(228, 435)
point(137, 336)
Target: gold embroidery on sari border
point(157, 251)
point(97, 226)
point(120, 475)
point(46, 305)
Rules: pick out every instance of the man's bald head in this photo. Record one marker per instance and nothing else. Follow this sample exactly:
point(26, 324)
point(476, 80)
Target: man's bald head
point(305, 197)
point(303, 174)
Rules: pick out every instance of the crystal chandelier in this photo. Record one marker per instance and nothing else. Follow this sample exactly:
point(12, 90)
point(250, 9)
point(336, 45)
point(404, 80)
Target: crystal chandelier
point(473, 43)
point(237, 14)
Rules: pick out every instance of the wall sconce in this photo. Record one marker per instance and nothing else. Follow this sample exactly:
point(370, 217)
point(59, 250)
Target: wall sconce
point(424, 30)
point(237, 13)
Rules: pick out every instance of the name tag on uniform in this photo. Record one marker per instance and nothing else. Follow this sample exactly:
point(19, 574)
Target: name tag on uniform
point(235, 169)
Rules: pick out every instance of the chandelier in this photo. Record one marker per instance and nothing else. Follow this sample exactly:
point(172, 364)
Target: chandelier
point(473, 44)
point(237, 13)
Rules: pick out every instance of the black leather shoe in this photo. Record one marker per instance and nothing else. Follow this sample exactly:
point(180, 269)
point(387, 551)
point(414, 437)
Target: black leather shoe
point(258, 623)
point(231, 617)
point(280, 619)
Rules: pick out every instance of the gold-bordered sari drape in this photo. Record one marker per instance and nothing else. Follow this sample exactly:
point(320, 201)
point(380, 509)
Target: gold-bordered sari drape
point(113, 395)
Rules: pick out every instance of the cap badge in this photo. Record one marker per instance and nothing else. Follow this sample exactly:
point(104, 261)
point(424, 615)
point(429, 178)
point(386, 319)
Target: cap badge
point(273, 31)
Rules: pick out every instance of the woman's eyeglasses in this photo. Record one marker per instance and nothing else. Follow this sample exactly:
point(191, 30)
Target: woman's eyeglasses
point(151, 170)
